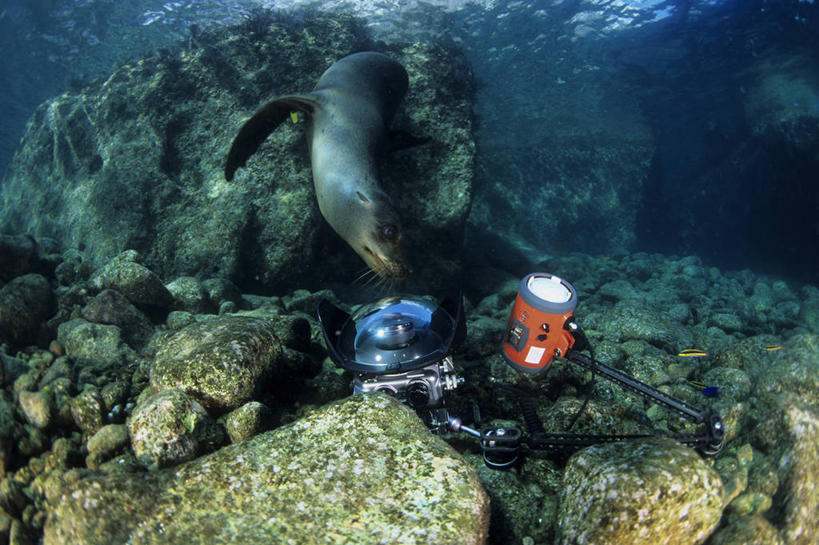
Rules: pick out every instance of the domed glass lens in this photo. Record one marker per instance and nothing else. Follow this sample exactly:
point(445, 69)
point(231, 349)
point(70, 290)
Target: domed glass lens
point(399, 332)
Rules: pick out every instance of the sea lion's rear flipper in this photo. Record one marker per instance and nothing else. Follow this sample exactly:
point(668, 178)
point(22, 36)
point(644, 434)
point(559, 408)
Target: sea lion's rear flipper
point(258, 127)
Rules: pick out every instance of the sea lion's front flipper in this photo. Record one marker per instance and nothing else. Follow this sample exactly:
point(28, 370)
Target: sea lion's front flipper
point(258, 127)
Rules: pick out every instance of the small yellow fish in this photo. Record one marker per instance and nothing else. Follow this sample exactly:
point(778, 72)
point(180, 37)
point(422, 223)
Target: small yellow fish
point(693, 353)
point(772, 347)
point(294, 117)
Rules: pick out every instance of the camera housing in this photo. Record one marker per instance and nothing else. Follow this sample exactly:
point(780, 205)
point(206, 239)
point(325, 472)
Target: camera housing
point(399, 345)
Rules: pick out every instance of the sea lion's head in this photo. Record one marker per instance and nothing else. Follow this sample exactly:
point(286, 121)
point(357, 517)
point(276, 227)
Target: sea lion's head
point(378, 237)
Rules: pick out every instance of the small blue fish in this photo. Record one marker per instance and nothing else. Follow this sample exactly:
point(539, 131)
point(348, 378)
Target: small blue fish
point(707, 391)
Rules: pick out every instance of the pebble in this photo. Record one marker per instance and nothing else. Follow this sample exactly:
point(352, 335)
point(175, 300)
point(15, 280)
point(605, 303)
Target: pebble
point(248, 420)
point(109, 439)
point(38, 408)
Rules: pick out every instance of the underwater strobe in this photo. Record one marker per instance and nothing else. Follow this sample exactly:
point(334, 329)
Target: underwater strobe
point(537, 331)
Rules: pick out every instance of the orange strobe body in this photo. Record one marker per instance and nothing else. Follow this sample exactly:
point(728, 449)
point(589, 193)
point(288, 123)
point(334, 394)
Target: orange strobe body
point(536, 331)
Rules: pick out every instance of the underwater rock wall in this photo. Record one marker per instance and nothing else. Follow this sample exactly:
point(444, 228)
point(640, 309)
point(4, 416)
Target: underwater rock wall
point(135, 161)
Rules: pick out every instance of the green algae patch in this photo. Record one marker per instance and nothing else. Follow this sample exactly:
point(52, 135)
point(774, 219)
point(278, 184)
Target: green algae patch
point(362, 470)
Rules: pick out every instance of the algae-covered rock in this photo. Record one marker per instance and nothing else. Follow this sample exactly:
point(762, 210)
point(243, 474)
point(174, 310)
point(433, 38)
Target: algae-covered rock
point(171, 427)
point(112, 308)
point(87, 342)
point(364, 470)
point(87, 410)
point(25, 303)
point(248, 420)
point(221, 362)
point(108, 439)
point(38, 408)
point(628, 320)
point(753, 530)
point(189, 295)
point(136, 282)
point(799, 475)
point(648, 491)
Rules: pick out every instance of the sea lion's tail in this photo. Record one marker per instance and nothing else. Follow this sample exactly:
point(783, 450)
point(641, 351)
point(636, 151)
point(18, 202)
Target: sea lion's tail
point(258, 127)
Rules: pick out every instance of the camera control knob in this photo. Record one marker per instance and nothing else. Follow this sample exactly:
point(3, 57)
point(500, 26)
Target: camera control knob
point(418, 394)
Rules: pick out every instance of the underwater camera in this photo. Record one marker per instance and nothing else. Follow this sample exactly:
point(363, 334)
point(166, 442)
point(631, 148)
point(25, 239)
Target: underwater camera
point(400, 346)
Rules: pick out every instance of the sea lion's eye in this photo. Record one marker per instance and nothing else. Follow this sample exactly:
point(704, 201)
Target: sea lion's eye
point(389, 232)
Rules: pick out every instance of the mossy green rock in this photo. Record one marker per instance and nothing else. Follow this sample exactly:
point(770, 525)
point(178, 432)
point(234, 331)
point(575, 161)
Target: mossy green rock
point(136, 282)
point(649, 491)
point(87, 342)
point(628, 320)
point(221, 362)
point(38, 408)
point(109, 439)
point(170, 427)
point(799, 477)
point(754, 530)
point(112, 308)
point(248, 420)
point(364, 470)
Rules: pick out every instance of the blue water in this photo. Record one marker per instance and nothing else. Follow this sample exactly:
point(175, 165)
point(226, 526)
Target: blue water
point(726, 93)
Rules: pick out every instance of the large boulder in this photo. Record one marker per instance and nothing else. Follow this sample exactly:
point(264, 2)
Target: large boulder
point(649, 491)
point(136, 160)
point(364, 470)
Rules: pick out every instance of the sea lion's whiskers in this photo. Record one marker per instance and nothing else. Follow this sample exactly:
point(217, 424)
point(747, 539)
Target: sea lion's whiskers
point(361, 277)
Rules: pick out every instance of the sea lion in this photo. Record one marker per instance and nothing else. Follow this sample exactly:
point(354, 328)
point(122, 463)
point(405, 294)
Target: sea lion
point(348, 113)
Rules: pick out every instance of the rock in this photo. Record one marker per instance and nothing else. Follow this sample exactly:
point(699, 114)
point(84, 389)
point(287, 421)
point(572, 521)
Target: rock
point(5, 527)
point(629, 320)
point(109, 439)
point(11, 368)
point(364, 470)
point(754, 530)
point(248, 420)
point(799, 477)
point(19, 255)
point(86, 342)
point(8, 432)
point(222, 291)
point(645, 491)
point(618, 290)
point(61, 368)
point(189, 295)
point(750, 503)
point(221, 362)
point(25, 303)
point(12, 498)
point(112, 308)
point(293, 332)
point(38, 408)
point(88, 412)
point(726, 322)
point(132, 154)
point(170, 427)
point(177, 319)
point(138, 284)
